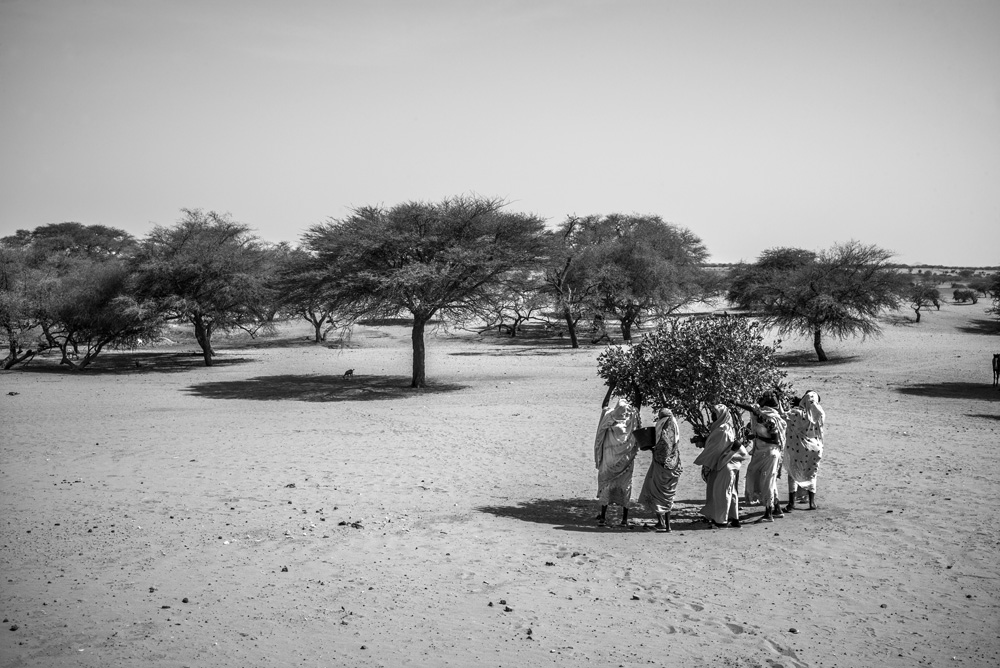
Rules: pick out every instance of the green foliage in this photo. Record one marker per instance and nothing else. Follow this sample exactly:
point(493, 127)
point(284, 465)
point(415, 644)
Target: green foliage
point(687, 364)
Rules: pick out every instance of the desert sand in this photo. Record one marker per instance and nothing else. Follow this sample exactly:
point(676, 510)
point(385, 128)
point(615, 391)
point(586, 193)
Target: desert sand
point(268, 511)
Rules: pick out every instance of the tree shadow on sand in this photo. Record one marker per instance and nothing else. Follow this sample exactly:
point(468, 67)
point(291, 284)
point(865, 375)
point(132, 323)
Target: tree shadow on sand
point(981, 326)
point(952, 390)
point(983, 416)
point(580, 514)
point(801, 358)
point(317, 388)
point(133, 363)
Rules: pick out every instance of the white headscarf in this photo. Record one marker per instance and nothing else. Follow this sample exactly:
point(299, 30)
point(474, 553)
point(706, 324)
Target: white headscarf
point(721, 437)
point(665, 419)
point(616, 426)
point(813, 411)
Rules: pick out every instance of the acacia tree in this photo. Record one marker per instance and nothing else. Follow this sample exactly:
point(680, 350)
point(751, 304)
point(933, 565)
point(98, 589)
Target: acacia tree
point(841, 291)
point(644, 265)
point(511, 302)
point(923, 296)
point(688, 364)
point(425, 259)
point(207, 270)
point(567, 278)
point(301, 282)
point(67, 286)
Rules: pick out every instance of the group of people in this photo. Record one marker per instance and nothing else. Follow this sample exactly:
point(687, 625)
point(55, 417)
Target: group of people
point(780, 437)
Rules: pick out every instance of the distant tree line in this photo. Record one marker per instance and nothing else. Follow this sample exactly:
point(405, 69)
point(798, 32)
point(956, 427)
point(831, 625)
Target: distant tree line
point(80, 289)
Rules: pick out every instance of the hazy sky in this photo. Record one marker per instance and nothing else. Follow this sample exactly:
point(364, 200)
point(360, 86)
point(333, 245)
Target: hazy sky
point(755, 124)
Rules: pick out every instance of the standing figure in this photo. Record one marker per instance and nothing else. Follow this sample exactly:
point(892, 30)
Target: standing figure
point(614, 456)
point(768, 427)
point(805, 448)
point(658, 490)
point(720, 461)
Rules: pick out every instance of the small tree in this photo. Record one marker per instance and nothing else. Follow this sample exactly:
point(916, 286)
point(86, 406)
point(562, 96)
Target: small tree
point(840, 291)
point(67, 286)
point(207, 269)
point(687, 364)
point(302, 283)
point(91, 306)
point(567, 277)
point(511, 302)
point(644, 265)
point(425, 259)
point(923, 296)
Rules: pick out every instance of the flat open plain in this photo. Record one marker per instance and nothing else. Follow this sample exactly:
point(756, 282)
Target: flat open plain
point(269, 512)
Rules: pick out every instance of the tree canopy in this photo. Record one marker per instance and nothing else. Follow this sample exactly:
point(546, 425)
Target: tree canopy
point(206, 269)
point(841, 291)
point(426, 259)
point(690, 363)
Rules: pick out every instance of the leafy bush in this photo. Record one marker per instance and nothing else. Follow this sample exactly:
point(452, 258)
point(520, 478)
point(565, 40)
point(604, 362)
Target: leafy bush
point(687, 364)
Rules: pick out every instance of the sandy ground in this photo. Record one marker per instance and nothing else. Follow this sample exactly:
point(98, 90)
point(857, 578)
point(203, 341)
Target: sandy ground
point(268, 511)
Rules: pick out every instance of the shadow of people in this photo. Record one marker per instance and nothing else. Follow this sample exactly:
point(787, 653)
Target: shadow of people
point(580, 515)
point(319, 388)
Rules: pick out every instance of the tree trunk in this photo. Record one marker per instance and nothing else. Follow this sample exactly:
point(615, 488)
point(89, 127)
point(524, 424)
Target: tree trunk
point(818, 345)
point(203, 333)
point(16, 356)
point(917, 311)
point(419, 370)
point(626, 325)
point(570, 327)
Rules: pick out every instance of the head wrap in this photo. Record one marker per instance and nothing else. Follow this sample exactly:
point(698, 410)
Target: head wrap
point(721, 437)
point(813, 411)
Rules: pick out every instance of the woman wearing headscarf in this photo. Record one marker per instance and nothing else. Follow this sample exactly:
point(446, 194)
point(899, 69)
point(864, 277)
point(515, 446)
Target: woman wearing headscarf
point(805, 447)
point(614, 456)
point(658, 490)
point(720, 461)
point(768, 427)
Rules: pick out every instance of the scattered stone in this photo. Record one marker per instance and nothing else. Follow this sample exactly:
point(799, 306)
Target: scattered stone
point(152, 589)
point(342, 523)
point(12, 394)
point(503, 601)
point(793, 630)
point(883, 606)
point(284, 569)
point(576, 554)
point(507, 608)
point(14, 627)
point(634, 597)
point(290, 485)
point(184, 600)
point(887, 512)
point(968, 596)
point(488, 605)
point(164, 607)
point(550, 563)
point(364, 647)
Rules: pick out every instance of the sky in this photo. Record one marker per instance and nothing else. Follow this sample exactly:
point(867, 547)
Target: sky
point(755, 124)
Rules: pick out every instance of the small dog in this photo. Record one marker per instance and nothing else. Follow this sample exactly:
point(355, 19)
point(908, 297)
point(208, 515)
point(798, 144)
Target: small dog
point(349, 373)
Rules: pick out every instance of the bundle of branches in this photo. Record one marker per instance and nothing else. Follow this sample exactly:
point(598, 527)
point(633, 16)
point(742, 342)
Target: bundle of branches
point(688, 365)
